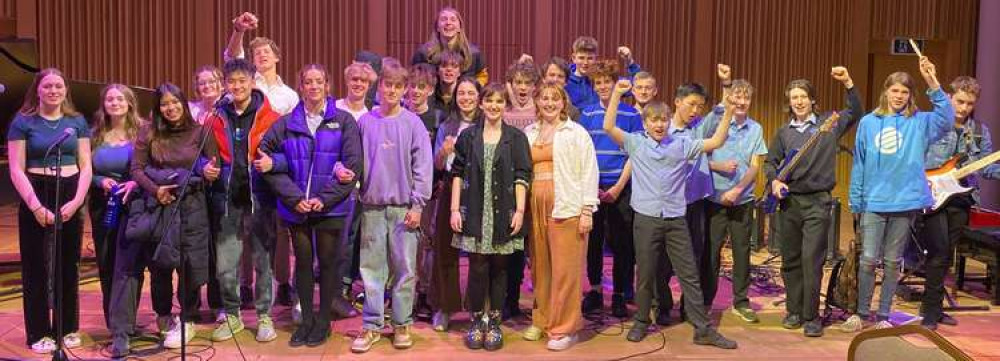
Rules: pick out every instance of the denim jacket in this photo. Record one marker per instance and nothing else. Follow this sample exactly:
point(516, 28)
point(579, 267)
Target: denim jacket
point(971, 139)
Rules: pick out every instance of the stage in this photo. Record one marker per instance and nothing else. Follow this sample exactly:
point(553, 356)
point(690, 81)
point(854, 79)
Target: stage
point(604, 339)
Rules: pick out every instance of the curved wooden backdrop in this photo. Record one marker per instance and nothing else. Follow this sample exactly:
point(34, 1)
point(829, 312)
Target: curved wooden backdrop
point(768, 42)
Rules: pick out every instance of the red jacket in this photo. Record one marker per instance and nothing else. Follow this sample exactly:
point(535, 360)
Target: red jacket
point(262, 121)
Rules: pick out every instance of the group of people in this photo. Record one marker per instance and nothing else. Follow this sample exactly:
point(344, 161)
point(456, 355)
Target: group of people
point(542, 169)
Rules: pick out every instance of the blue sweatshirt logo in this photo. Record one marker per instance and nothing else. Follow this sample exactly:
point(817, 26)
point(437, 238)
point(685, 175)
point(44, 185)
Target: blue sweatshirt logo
point(888, 140)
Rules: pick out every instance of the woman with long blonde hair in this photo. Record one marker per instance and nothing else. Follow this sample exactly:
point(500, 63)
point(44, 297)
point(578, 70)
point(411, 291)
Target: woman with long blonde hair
point(116, 124)
point(46, 115)
point(563, 200)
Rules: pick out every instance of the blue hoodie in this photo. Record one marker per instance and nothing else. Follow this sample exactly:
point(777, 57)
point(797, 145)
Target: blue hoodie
point(889, 150)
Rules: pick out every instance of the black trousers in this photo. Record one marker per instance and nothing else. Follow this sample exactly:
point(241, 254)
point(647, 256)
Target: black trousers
point(803, 225)
point(318, 239)
point(516, 263)
point(33, 240)
point(487, 276)
point(734, 223)
point(105, 243)
point(696, 218)
point(939, 235)
point(660, 240)
point(613, 226)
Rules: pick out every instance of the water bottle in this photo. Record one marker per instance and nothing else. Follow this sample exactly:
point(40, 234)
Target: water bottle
point(114, 205)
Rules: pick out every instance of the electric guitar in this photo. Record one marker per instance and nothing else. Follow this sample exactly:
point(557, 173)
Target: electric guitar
point(770, 202)
point(944, 180)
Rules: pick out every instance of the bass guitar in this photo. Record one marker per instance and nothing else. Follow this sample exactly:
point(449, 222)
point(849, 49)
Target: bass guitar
point(770, 202)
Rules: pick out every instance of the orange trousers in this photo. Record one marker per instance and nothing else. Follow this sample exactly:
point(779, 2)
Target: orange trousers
point(557, 258)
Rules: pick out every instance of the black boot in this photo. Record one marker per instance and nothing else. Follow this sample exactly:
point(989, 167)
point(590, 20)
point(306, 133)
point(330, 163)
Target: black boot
point(320, 332)
point(474, 338)
point(494, 336)
point(618, 306)
point(301, 334)
point(592, 301)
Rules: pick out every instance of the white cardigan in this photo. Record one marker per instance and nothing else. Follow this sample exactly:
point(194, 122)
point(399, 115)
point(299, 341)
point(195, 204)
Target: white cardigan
point(574, 168)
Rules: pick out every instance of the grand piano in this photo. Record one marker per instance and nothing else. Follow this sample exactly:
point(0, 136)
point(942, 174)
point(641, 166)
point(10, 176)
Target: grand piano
point(19, 62)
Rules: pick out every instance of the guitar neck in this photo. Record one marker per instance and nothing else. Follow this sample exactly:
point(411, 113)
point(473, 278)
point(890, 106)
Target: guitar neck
point(783, 175)
point(977, 165)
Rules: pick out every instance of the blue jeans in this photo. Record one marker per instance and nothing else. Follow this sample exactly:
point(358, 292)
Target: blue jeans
point(882, 234)
point(388, 252)
point(235, 227)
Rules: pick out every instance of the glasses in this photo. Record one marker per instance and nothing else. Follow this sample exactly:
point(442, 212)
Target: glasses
point(207, 82)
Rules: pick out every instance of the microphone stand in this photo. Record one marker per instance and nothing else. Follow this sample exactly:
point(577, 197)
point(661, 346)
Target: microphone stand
point(55, 257)
point(173, 215)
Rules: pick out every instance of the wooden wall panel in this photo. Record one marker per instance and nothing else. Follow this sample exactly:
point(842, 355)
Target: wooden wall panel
point(306, 31)
point(660, 33)
point(804, 39)
point(135, 42)
point(8, 8)
point(503, 30)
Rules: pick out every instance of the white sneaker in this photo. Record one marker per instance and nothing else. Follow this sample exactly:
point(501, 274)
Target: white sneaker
point(297, 313)
point(563, 343)
point(44, 345)
point(72, 340)
point(166, 323)
point(883, 325)
point(853, 324)
point(265, 329)
point(173, 339)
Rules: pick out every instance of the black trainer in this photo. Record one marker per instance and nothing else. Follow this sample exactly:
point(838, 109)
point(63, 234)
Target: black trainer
point(813, 328)
point(638, 331)
point(792, 321)
point(710, 337)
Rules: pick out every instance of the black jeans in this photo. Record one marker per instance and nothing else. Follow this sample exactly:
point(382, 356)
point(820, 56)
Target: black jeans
point(612, 225)
point(33, 240)
point(487, 275)
point(659, 240)
point(802, 238)
point(734, 222)
point(939, 235)
point(132, 258)
point(317, 239)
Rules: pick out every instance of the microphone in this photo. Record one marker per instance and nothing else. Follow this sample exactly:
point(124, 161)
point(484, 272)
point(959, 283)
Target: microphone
point(67, 133)
point(225, 99)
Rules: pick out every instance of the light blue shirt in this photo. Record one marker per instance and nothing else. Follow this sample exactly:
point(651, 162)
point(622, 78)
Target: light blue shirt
point(660, 173)
point(699, 181)
point(745, 142)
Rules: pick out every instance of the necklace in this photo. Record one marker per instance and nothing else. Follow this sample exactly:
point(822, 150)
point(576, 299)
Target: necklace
point(54, 123)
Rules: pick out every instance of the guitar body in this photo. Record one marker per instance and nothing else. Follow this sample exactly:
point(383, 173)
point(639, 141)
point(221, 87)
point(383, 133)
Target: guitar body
point(770, 203)
point(944, 183)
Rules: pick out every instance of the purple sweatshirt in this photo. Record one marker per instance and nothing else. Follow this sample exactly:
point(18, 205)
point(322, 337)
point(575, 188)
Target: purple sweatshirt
point(397, 160)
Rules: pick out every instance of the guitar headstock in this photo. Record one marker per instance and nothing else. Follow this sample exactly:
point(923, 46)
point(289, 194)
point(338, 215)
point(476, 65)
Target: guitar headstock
point(830, 122)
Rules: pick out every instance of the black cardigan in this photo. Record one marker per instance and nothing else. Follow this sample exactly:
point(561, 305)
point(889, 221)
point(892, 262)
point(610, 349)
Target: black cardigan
point(512, 163)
